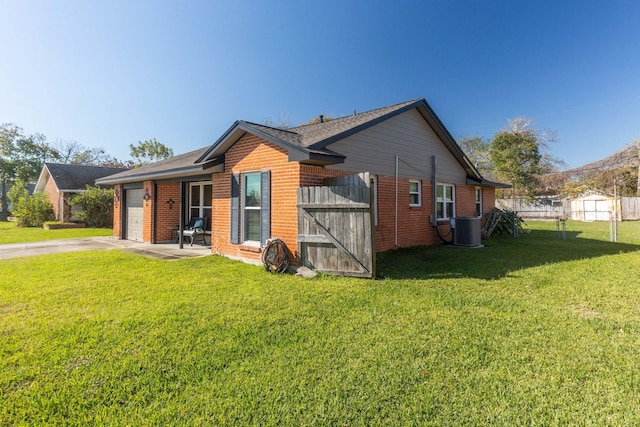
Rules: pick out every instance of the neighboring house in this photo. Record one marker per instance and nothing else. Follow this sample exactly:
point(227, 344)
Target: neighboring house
point(245, 183)
point(62, 181)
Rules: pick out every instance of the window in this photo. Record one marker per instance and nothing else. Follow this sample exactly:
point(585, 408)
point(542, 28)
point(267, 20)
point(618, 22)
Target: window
point(478, 201)
point(200, 195)
point(415, 198)
point(445, 201)
point(251, 207)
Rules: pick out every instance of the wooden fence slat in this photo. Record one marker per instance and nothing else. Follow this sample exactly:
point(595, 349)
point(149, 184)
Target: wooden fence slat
point(335, 226)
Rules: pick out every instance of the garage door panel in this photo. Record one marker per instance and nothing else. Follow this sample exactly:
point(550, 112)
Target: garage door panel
point(135, 215)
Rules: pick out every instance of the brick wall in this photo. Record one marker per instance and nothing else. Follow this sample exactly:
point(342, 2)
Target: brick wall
point(117, 210)
point(465, 200)
point(252, 154)
point(167, 214)
point(147, 212)
point(414, 226)
point(488, 199)
point(54, 197)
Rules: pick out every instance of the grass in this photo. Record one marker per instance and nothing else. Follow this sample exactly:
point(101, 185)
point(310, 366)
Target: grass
point(11, 233)
point(530, 331)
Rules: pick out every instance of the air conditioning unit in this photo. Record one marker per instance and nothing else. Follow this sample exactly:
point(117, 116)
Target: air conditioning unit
point(467, 231)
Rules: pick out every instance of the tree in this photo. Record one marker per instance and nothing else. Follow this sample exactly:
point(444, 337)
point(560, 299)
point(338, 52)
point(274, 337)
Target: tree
point(96, 204)
point(72, 152)
point(149, 151)
point(316, 120)
point(477, 150)
point(282, 122)
point(21, 157)
point(520, 155)
point(29, 210)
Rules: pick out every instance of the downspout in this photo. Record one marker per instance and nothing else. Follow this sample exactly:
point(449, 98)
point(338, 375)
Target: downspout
point(434, 201)
point(396, 224)
point(181, 216)
point(434, 183)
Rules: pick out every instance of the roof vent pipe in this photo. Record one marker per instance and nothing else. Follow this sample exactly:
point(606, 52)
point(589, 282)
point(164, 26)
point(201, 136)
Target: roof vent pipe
point(321, 118)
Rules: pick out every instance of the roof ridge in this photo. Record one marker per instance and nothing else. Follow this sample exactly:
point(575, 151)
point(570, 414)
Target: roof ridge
point(362, 112)
point(81, 165)
point(270, 127)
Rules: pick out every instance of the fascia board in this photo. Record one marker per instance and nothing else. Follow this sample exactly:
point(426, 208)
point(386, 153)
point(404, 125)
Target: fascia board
point(40, 184)
point(237, 131)
point(175, 173)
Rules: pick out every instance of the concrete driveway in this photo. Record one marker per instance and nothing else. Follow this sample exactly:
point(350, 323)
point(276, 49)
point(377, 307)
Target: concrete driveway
point(159, 251)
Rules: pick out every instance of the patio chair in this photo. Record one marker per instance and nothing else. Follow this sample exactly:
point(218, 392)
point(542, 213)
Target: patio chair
point(196, 230)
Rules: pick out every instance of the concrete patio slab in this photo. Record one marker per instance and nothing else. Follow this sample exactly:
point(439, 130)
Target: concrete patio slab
point(164, 251)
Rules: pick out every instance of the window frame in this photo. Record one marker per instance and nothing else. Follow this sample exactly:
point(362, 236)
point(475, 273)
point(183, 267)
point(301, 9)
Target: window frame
point(244, 208)
point(478, 197)
point(415, 193)
point(444, 202)
point(201, 207)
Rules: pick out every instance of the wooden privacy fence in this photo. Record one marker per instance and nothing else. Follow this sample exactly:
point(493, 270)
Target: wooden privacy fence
point(537, 209)
point(335, 232)
point(581, 209)
point(630, 207)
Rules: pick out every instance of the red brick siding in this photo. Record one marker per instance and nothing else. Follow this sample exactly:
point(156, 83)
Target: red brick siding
point(167, 216)
point(117, 210)
point(252, 154)
point(54, 197)
point(465, 200)
point(488, 199)
point(414, 226)
point(147, 212)
point(313, 175)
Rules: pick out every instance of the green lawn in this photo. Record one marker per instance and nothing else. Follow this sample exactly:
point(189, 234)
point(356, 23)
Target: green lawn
point(530, 331)
point(10, 233)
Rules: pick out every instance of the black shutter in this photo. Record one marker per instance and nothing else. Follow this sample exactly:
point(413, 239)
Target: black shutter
point(265, 206)
point(235, 209)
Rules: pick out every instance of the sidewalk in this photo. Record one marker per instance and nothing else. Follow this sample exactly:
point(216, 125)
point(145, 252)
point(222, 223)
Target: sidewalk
point(165, 251)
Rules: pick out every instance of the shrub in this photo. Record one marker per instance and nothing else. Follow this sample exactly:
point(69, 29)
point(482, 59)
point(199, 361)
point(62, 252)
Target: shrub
point(96, 204)
point(500, 222)
point(29, 210)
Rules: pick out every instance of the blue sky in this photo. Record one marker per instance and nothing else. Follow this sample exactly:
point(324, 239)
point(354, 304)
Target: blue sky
point(112, 73)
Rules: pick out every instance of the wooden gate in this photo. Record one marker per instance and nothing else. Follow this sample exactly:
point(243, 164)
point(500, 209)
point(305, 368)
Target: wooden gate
point(335, 231)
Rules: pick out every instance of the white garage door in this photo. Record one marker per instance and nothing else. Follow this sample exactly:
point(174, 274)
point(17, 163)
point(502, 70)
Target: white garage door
point(134, 214)
point(596, 210)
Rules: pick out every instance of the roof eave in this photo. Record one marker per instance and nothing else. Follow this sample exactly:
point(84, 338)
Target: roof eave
point(212, 167)
point(315, 158)
point(486, 183)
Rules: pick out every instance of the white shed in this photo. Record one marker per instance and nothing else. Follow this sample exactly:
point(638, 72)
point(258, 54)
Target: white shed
point(594, 206)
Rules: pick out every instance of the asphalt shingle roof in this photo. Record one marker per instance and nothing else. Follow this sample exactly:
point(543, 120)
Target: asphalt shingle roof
point(309, 142)
point(317, 135)
point(77, 177)
point(180, 161)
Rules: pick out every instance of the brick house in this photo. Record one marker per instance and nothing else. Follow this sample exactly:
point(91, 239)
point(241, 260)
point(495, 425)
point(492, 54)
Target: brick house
point(62, 181)
point(245, 183)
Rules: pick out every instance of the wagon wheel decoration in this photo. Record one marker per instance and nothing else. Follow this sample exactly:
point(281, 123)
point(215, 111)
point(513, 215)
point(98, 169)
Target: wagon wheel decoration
point(275, 256)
